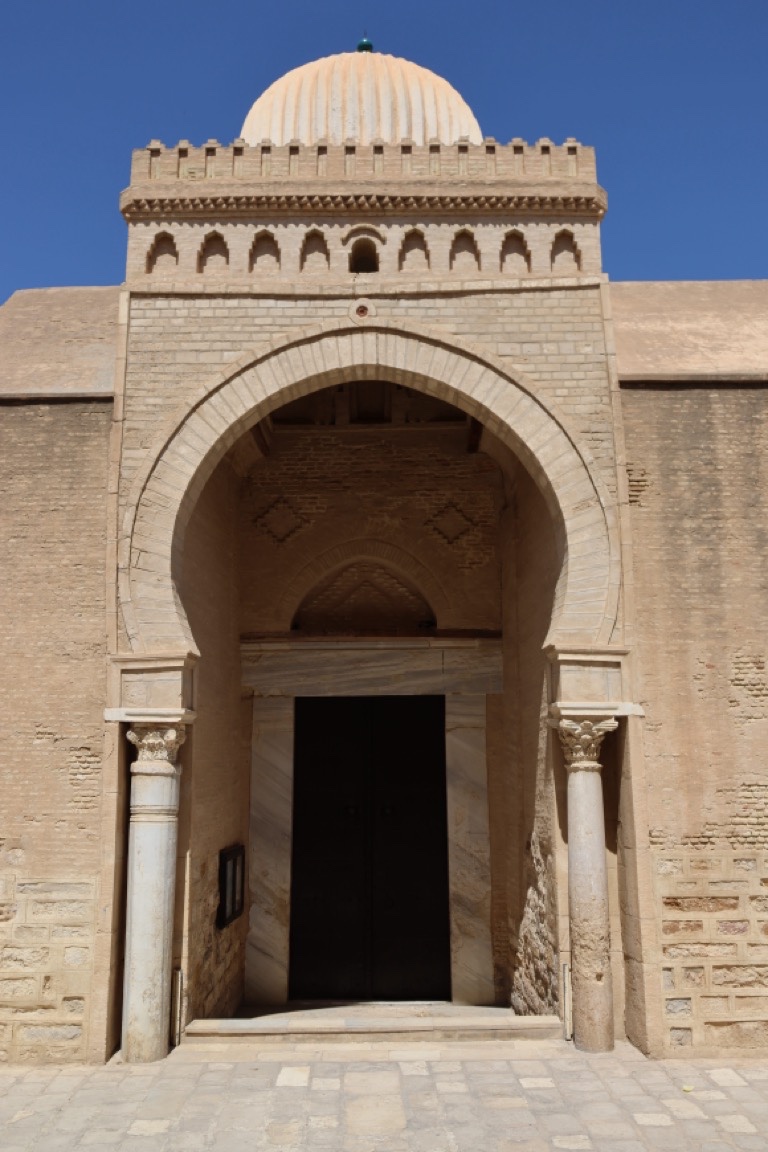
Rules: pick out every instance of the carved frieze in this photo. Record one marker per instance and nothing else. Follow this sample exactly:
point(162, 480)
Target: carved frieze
point(362, 204)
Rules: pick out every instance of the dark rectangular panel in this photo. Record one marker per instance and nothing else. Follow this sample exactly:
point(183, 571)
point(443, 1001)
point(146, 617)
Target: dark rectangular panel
point(369, 902)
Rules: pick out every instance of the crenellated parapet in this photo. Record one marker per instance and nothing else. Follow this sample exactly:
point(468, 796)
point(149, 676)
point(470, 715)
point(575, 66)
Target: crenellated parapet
point(459, 210)
point(378, 178)
point(490, 160)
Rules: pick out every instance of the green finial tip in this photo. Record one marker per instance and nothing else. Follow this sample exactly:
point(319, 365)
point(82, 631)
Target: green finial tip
point(364, 45)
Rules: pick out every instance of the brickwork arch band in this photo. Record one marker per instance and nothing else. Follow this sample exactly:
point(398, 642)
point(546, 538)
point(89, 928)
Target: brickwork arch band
point(167, 488)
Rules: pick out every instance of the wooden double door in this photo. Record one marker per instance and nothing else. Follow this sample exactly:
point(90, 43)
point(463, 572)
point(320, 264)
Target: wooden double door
point(369, 881)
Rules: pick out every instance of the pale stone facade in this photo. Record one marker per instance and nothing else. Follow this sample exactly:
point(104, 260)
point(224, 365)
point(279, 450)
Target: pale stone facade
point(367, 419)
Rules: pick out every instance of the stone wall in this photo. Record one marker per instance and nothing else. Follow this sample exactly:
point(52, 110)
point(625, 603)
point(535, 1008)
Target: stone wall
point(536, 931)
point(714, 924)
point(698, 494)
point(214, 806)
point(52, 680)
point(178, 343)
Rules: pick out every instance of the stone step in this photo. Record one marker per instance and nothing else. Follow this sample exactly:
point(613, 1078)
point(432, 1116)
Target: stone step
point(377, 1022)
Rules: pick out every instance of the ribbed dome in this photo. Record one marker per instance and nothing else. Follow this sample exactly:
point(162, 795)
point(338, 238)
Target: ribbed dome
point(360, 96)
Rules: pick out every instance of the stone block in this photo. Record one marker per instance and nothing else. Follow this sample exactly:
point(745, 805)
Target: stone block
point(741, 975)
point(681, 1037)
point(680, 927)
point(684, 951)
point(18, 988)
point(71, 932)
point(56, 889)
point(19, 957)
point(30, 933)
point(736, 1033)
point(716, 1005)
point(60, 911)
point(49, 1032)
point(701, 903)
point(75, 957)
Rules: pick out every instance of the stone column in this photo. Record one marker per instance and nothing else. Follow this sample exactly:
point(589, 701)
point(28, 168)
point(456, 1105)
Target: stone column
point(588, 884)
point(151, 883)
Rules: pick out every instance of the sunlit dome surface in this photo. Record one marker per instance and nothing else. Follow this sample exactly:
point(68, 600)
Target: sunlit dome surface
point(360, 96)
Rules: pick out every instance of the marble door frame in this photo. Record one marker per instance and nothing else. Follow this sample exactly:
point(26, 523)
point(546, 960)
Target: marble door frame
point(462, 671)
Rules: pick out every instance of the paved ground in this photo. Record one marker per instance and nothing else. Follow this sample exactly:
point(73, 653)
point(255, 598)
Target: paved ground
point(491, 1096)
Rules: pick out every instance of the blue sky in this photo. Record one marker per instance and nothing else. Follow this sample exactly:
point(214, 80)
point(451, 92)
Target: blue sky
point(673, 94)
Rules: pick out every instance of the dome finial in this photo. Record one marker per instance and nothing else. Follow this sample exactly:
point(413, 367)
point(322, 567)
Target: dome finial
point(364, 45)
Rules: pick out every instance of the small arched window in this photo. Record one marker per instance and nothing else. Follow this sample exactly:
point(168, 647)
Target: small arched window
point(364, 256)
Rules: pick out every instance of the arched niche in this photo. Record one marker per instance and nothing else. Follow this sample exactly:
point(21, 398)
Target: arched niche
point(163, 255)
point(214, 254)
point(515, 258)
point(315, 256)
point(364, 598)
point(414, 253)
point(565, 256)
point(264, 256)
point(465, 254)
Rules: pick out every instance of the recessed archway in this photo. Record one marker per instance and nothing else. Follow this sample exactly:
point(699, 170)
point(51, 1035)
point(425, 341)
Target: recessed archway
point(166, 491)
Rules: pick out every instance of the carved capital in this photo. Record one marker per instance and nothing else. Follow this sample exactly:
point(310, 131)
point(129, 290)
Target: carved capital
point(581, 740)
point(159, 745)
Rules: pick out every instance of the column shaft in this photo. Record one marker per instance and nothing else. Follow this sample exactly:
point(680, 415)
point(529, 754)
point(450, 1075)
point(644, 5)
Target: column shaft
point(588, 885)
point(151, 890)
point(589, 917)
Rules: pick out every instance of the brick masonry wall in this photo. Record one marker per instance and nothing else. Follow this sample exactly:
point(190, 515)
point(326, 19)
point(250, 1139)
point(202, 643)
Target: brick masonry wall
point(555, 336)
point(698, 491)
point(415, 490)
point(52, 680)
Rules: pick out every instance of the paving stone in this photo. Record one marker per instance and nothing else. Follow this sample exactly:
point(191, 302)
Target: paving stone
point(301, 1101)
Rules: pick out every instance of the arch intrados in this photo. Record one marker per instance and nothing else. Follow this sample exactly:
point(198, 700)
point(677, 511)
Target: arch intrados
point(156, 518)
point(390, 375)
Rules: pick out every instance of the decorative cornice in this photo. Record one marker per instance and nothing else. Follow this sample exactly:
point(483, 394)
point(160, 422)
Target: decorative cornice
point(581, 742)
point(358, 203)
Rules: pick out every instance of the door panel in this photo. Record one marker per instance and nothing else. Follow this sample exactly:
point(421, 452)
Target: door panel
point(369, 899)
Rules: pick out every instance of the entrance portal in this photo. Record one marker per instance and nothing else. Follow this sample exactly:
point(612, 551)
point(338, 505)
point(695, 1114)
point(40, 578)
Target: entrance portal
point(369, 890)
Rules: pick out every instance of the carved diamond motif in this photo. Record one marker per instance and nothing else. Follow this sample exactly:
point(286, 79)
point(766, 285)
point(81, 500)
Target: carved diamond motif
point(280, 520)
point(450, 523)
